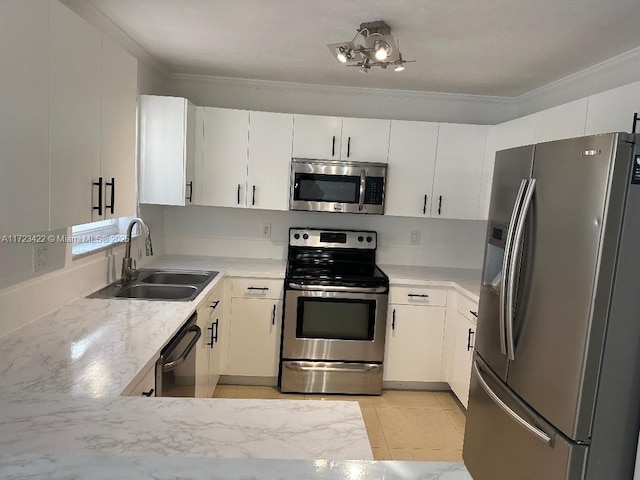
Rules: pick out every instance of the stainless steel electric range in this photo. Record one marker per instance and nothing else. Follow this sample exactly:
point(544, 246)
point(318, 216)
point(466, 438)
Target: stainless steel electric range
point(335, 310)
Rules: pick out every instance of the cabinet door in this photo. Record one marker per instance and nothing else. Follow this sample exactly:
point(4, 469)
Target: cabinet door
point(612, 111)
point(24, 86)
point(412, 159)
point(74, 118)
point(119, 97)
point(316, 137)
point(456, 187)
point(462, 358)
point(163, 125)
point(413, 345)
point(270, 144)
point(203, 352)
point(365, 140)
point(254, 344)
point(224, 165)
point(515, 133)
point(487, 173)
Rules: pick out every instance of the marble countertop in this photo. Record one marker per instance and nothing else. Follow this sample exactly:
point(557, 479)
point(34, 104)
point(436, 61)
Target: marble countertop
point(465, 280)
point(63, 374)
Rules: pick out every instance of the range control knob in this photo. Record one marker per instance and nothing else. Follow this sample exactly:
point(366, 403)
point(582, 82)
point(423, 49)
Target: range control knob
point(296, 236)
point(305, 236)
point(369, 239)
point(361, 238)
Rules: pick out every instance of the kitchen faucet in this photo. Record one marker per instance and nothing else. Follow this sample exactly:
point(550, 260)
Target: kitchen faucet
point(128, 272)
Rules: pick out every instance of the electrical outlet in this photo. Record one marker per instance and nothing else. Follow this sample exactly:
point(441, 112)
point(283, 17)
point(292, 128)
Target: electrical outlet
point(265, 232)
point(40, 257)
point(415, 237)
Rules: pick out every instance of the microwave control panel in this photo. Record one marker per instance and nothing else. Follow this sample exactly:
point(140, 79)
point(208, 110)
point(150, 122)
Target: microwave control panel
point(374, 191)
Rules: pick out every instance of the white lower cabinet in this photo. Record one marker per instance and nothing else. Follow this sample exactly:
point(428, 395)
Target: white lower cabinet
point(254, 343)
point(255, 322)
point(208, 353)
point(146, 387)
point(464, 338)
point(414, 343)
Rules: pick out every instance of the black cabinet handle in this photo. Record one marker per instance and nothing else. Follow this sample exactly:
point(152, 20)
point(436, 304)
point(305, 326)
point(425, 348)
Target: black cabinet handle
point(149, 393)
point(99, 185)
point(475, 314)
point(258, 288)
point(253, 200)
point(273, 316)
point(111, 184)
point(214, 336)
point(214, 304)
point(393, 319)
point(417, 295)
point(333, 146)
point(424, 206)
point(238, 194)
point(348, 147)
point(635, 122)
point(190, 197)
point(469, 346)
point(440, 205)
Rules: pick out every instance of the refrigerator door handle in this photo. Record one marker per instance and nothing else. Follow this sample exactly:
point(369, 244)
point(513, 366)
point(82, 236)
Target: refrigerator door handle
point(513, 263)
point(541, 435)
point(505, 265)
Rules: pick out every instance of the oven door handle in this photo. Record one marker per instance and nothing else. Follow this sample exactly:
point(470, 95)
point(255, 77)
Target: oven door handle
point(333, 367)
point(167, 367)
point(363, 185)
point(337, 288)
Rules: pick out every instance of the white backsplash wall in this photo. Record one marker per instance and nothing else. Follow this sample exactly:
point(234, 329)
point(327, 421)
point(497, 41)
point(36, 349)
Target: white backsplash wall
point(235, 232)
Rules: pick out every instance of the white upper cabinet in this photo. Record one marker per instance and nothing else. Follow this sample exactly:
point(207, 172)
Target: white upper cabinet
point(612, 111)
point(270, 144)
point(412, 158)
point(458, 173)
point(563, 121)
point(118, 129)
point(24, 85)
point(317, 136)
point(223, 171)
point(74, 119)
point(365, 140)
point(515, 133)
point(487, 173)
point(167, 126)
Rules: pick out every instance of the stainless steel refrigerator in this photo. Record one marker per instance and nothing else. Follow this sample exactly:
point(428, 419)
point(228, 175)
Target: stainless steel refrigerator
point(555, 384)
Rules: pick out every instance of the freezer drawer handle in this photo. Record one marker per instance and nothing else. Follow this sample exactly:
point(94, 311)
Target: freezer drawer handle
point(535, 431)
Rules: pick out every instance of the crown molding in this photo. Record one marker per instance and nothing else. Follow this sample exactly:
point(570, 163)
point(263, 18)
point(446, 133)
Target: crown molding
point(611, 73)
point(91, 14)
point(340, 90)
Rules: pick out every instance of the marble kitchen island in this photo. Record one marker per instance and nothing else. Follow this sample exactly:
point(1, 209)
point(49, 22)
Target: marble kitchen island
point(62, 416)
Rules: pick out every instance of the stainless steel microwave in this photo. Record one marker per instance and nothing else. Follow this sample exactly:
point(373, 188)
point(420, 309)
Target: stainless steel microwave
point(336, 186)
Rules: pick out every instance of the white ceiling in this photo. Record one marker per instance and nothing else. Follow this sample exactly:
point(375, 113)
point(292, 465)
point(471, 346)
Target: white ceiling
point(484, 47)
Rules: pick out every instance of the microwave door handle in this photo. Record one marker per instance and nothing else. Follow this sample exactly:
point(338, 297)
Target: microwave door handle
point(363, 184)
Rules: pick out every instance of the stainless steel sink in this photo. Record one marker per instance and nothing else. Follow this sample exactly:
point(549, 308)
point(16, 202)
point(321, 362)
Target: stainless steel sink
point(175, 278)
point(160, 292)
point(159, 284)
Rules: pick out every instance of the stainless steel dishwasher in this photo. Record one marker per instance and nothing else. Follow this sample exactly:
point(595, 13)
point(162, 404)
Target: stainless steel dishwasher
point(176, 367)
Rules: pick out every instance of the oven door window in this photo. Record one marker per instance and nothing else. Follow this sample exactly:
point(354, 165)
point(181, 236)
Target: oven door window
point(327, 188)
point(336, 319)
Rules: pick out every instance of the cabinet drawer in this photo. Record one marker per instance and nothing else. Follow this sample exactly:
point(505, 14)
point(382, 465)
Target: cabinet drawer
point(466, 306)
point(257, 288)
point(418, 296)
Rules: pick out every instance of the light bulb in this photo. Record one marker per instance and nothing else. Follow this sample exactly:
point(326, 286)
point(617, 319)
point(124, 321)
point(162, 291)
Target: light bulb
point(399, 68)
point(382, 49)
point(341, 55)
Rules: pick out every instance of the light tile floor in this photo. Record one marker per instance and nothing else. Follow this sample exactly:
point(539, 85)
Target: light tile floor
point(401, 425)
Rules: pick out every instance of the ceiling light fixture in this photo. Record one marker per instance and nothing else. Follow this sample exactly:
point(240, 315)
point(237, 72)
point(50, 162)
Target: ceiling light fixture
point(372, 46)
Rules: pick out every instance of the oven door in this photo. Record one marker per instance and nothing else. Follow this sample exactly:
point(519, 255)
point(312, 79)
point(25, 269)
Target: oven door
point(334, 325)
